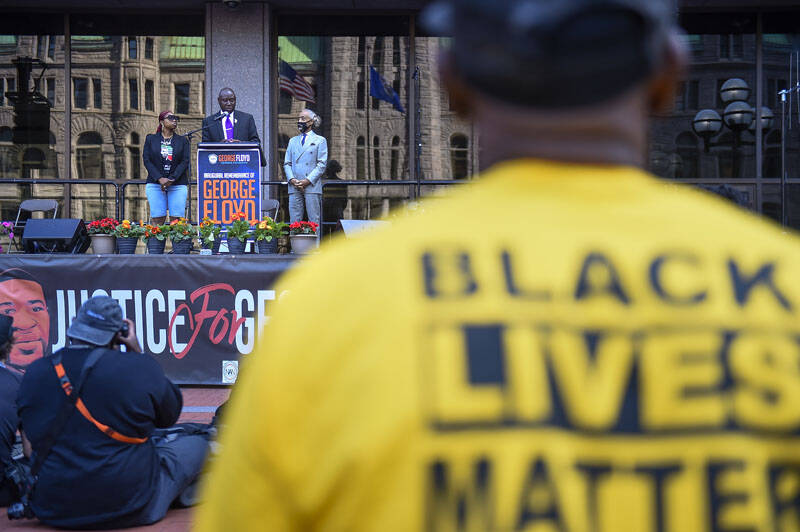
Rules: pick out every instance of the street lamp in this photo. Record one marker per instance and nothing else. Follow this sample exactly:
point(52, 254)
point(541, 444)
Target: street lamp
point(738, 116)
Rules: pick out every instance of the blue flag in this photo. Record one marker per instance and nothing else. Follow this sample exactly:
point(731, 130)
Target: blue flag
point(378, 88)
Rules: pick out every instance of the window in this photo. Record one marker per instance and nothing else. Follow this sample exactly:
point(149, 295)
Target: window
point(772, 155)
point(688, 97)
point(360, 94)
point(149, 95)
point(80, 90)
point(182, 98)
point(2, 92)
point(284, 103)
point(148, 48)
point(133, 92)
point(720, 104)
point(361, 50)
point(394, 167)
point(89, 156)
point(97, 91)
point(396, 51)
point(283, 143)
point(33, 160)
point(132, 50)
point(135, 157)
point(376, 142)
point(50, 86)
point(51, 47)
point(688, 156)
point(377, 52)
point(731, 46)
point(41, 46)
point(361, 159)
point(459, 156)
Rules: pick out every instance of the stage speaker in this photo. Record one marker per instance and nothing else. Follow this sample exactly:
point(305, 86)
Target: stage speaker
point(59, 235)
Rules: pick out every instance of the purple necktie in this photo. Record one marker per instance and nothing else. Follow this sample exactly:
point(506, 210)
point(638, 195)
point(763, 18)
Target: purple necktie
point(228, 127)
point(303, 141)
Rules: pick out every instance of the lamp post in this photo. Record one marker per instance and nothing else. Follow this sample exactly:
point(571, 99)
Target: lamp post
point(738, 116)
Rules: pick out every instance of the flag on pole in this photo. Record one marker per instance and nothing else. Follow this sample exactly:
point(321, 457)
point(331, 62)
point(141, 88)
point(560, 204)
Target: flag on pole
point(293, 83)
point(378, 88)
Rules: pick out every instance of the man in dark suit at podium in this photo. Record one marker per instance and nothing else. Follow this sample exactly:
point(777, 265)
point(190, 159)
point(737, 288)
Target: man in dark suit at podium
point(229, 126)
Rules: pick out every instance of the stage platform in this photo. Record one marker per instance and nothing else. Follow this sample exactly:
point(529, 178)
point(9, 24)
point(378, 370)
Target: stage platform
point(196, 314)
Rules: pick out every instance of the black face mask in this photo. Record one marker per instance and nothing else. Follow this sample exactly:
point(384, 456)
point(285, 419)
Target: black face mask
point(302, 127)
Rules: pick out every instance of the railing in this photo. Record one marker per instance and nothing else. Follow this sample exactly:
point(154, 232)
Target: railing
point(414, 190)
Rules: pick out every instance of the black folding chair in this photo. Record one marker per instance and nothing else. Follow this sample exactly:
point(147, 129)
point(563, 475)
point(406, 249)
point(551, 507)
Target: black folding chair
point(30, 206)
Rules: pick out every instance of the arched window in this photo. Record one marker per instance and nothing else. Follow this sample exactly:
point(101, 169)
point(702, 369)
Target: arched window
point(33, 160)
point(361, 159)
point(772, 155)
point(394, 167)
point(689, 157)
point(376, 142)
point(89, 156)
point(459, 156)
point(132, 48)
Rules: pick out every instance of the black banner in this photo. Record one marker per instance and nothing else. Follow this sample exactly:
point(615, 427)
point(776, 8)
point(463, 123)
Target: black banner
point(197, 315)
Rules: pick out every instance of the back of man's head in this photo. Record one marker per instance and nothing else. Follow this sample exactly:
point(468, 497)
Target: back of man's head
point(554, 53)
point(98, 320)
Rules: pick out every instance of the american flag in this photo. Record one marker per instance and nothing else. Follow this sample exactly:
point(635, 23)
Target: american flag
point(293, 83)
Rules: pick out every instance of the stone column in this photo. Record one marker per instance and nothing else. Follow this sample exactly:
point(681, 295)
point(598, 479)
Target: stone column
point(240, 54)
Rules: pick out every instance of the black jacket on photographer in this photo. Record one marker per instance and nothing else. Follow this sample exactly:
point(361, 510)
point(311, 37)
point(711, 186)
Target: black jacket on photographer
point(9, 384)
point(90, 479)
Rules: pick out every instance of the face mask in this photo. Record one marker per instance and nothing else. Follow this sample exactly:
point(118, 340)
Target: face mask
point(302, 127)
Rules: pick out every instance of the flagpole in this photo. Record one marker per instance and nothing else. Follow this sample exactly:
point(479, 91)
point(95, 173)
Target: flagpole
point(368, 104)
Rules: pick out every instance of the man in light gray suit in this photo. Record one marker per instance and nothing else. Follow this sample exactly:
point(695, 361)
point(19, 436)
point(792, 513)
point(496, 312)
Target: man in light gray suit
point(305, 161)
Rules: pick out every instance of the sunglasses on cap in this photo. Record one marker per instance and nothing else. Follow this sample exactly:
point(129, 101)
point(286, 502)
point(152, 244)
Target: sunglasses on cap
point(173, 118)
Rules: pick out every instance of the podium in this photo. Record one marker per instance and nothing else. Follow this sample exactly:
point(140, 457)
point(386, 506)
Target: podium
point(228, 180)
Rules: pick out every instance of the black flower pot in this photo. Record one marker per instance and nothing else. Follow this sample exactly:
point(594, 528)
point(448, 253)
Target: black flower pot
point(126, 245)
point(266, 248)
point(214, 246)
point(181, 247)
point(155, 246)
point(236, 246)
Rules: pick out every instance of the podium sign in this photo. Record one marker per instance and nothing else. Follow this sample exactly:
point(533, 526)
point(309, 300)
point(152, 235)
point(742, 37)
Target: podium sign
point(228, 181)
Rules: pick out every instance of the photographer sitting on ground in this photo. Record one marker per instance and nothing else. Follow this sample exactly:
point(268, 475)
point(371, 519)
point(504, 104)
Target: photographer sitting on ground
point(9, 384)
point(104, 470)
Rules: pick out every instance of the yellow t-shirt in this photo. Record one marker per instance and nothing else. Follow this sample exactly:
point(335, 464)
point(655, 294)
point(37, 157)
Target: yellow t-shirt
point(554, 347)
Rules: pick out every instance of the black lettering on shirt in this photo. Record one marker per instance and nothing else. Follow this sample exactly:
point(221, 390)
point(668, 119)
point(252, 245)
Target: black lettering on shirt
point(659, 474)
point(743, 285)
point(455, 505)
point(512, 286)
point(657, 281)
point(448, 275)
point(720, 499)
point(599, 276)
point(539, 499)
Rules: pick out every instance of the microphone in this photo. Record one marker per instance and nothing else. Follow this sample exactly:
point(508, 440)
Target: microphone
point(221, 114)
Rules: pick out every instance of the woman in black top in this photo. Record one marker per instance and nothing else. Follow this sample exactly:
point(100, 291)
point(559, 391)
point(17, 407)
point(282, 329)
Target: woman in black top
point(166, 157)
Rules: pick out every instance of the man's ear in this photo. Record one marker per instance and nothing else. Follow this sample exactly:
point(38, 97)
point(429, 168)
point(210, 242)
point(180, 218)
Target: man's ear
point(460, 95)
point(663, 86)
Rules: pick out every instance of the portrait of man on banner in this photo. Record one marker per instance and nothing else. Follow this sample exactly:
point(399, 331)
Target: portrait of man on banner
point(22, 298)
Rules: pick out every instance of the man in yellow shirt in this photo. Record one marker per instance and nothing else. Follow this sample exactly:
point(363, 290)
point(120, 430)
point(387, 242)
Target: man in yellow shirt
point(600, 352)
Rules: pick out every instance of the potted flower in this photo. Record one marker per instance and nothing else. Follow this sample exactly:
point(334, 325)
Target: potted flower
point(181, 232)
point(208, 231)
point(7, 228)
point(102, 233)
point(303, 236)
point(128, 234)
point(238, 232)
point(156, 238)
point(265, 233)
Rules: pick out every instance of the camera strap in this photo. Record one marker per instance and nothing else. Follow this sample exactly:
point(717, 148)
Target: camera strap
point(73, 394)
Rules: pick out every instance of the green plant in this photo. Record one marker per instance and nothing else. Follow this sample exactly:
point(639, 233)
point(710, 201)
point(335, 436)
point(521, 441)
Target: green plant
point(159, 232)
point(180, 229)
point(128, 229)
point(240, 228)
point(267, 229)
point(208, 231)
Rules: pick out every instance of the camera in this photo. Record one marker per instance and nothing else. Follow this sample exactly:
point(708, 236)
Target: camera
point(232, 4)
point(124, 330)
point(20, 475)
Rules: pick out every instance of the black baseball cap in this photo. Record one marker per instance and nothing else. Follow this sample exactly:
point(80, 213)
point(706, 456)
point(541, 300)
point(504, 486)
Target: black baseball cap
point(553, 53)
point(98, 320)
